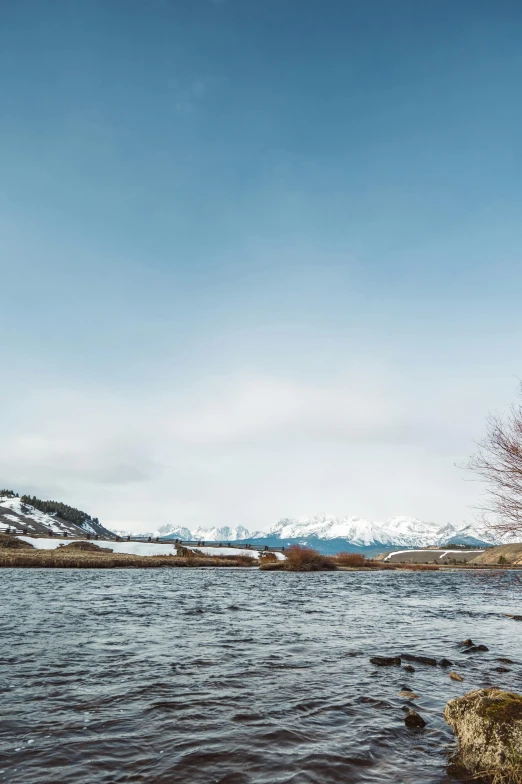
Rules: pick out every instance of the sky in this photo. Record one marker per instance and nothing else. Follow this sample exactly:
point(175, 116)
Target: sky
point(258, 258)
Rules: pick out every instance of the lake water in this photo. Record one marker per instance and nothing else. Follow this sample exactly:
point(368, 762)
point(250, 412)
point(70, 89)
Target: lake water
point(236, 676)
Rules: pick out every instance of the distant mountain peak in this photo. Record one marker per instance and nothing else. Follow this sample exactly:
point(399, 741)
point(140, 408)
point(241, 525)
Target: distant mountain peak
point(399, 530)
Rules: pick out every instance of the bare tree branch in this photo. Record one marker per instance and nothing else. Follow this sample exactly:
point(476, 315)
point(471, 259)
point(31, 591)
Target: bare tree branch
point(498, 462)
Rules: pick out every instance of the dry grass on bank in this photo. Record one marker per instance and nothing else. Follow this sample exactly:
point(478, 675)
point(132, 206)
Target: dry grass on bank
point(351, 559)
point(10, 542)
point(356, 560)
point(69, 557)
point(87, 547)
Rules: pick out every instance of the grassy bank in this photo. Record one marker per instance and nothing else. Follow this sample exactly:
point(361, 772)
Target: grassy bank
point(305, 559)
point(15, 553)
point(56, 559)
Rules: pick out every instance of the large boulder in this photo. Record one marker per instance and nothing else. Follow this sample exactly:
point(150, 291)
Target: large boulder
point(488, 725)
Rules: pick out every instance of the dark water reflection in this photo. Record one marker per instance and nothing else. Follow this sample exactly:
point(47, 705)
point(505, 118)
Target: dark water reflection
point(237, 677)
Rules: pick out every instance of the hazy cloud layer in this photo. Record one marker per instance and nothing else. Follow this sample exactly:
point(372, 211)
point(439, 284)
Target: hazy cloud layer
point(247, 450)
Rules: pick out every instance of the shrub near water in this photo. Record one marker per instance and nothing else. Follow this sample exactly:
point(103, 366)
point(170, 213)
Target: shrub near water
point(268, 558)
point(304, 559)
point(351, 559)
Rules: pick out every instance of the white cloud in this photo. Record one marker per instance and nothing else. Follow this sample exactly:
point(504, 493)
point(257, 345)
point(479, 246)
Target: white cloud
point(247, 449)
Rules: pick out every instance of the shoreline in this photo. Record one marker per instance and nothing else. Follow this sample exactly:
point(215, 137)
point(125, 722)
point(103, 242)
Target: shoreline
point(27, 552)
point(60, 559)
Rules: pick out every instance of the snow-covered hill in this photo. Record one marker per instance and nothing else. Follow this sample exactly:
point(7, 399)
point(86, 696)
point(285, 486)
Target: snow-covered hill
point(355, 531)
point(20, 517)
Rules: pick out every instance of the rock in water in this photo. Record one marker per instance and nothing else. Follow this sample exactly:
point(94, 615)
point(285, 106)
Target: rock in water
point(488, 725)
point(445, 663)
point(414, 719)
point(455, 676)
point(385, 661)
point(421, 659)
point(409, 668)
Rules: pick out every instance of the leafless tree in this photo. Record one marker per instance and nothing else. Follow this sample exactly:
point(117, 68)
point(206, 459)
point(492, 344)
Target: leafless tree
point(498, 462)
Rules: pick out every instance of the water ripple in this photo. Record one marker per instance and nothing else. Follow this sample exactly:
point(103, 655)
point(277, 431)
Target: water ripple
point(238, 677)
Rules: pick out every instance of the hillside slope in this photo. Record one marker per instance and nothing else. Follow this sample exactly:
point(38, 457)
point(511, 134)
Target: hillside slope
point(509, 554)
point(21, 517)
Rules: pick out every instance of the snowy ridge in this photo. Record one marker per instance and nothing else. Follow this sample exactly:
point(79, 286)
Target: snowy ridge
point(217, 534)
point(396, 531)
point(406, 531)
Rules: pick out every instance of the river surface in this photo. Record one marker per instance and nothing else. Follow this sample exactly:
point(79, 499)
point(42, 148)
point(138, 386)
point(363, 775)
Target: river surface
point(235, 676)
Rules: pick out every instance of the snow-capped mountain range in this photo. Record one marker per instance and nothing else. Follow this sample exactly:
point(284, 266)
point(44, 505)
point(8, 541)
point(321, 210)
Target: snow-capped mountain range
point(355, 531)
point(407, 531)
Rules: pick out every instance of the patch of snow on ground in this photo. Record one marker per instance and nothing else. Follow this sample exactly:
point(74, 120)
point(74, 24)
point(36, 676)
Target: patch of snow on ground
point(446, 552)
point(129, 548)
point(140, 548)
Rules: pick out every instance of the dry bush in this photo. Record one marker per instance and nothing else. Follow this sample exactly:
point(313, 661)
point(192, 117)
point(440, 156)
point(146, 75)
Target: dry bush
point(304, 559)
point(266, 558)
point(358, 560)
point(351, 559)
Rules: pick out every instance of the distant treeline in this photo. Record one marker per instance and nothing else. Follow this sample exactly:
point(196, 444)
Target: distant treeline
point(64, 511)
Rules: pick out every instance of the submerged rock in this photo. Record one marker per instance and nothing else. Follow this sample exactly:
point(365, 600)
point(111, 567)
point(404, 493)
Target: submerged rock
point(408, 694)
point(420, 659)
point(409, 668)
point(445, 663)
point(466, 643)
point(488, 725)
point(414, 719)
point(475, 648)
point(455, 676)
point(385, 661)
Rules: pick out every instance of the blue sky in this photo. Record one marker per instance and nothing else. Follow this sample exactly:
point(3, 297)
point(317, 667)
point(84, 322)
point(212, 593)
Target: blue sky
point(259, 259)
